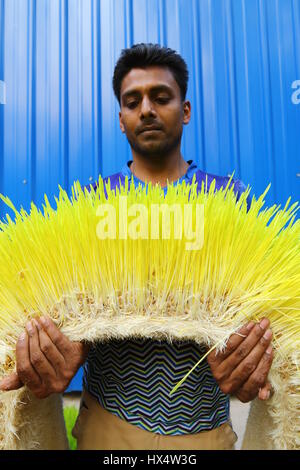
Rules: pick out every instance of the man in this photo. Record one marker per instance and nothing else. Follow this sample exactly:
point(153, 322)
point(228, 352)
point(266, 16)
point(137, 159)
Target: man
point(126, 402)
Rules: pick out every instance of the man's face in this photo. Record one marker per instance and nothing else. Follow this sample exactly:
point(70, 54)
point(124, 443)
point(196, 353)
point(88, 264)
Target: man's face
point(150, 98)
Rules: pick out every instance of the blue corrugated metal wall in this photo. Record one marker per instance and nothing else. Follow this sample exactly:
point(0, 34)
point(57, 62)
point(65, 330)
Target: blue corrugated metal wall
point(60, 120)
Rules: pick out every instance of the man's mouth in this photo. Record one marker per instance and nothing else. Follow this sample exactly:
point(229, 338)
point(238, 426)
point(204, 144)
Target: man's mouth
point(149, 129)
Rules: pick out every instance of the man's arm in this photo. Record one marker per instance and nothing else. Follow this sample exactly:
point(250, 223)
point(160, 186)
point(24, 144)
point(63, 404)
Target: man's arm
point(46, 359)
point(242, 369)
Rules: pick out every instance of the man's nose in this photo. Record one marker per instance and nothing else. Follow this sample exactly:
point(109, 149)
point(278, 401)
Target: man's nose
point(147, 107)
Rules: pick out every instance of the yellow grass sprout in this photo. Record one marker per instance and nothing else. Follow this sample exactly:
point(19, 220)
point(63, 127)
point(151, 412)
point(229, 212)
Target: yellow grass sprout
point(108, 264)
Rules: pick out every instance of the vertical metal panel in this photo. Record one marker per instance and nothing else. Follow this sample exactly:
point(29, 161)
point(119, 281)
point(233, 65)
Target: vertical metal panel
point(60, 120)
point(18, 116)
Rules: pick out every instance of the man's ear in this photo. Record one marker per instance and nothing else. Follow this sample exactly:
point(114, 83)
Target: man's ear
point(186, 112)
point(121, 123)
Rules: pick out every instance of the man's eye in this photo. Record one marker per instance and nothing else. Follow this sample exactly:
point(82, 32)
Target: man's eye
point(132, 104)
point(162, 100)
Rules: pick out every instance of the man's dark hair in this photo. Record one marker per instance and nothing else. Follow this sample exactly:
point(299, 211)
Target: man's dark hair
point(145, 55)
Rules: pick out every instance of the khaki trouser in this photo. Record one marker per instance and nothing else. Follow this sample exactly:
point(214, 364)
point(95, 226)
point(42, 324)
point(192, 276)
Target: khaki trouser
point(98, 429)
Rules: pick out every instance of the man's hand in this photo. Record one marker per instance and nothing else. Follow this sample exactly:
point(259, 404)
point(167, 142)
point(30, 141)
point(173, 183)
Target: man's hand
point(46, 359)
point(242, 369)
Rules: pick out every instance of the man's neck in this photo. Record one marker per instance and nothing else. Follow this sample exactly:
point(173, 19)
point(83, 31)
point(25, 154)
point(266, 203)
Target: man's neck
point(159, 171)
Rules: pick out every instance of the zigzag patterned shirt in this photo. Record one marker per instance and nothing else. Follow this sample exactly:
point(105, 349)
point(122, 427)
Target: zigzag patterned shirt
point(133, 378)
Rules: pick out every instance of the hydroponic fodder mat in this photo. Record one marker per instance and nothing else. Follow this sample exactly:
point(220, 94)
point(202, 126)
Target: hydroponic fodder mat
point(109, 264)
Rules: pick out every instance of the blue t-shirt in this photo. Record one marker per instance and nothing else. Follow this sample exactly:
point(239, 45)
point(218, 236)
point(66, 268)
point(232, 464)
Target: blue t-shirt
point(126, 171)
point(133, 378)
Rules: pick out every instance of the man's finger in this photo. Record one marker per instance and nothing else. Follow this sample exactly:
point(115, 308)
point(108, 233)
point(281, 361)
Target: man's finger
point(37, 358)
point(11, 382)
point(25, 370)
point(265, 392)
point(60, 340)
point(234, 341)
point(242, 372)
point(246, 346)
point(258, 379)
point(51, 352)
